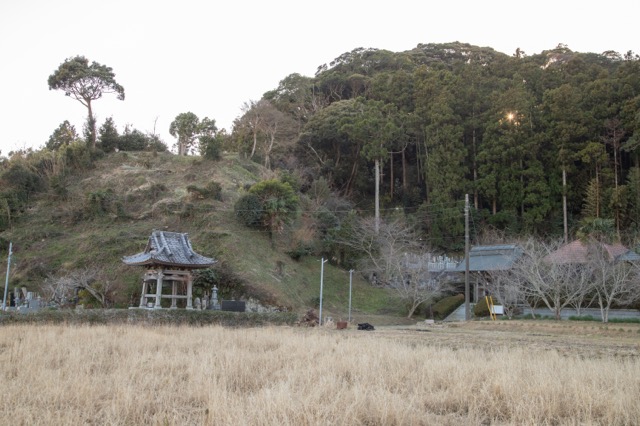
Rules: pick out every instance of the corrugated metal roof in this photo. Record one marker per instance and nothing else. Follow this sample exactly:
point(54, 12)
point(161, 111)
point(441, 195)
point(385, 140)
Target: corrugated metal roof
point(491, 258)
point(171, 249)
point(630, 256)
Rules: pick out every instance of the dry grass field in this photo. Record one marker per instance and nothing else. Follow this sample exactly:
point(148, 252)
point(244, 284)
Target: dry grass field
point(526, 372)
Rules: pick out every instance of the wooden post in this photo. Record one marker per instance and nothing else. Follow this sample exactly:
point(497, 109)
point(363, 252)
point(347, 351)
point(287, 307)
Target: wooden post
point(189, 290)
point(143, 299)
point(174, 292)
point(158, 304)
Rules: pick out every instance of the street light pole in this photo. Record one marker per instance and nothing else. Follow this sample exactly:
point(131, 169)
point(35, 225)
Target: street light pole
point(321, 285)
point(6, 282)
point(350, 287)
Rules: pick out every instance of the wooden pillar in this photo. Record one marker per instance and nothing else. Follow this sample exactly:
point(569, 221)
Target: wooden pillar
point(189, 290)
point(143, 299)
point(174, 292)
point(477, 290)
point(158, 304)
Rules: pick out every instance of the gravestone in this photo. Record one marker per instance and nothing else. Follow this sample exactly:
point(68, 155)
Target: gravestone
point(233, 305)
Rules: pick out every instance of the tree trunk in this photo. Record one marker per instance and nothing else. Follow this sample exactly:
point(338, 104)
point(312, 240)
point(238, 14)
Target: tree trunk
point(255, 142)
point(92, 124)
point(354, 172)
point(267, 154)
point(522, 188)
point(404, 171)
point(391, 175)
point(412, 309)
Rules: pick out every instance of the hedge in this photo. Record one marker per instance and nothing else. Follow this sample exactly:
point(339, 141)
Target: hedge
point(149, 317)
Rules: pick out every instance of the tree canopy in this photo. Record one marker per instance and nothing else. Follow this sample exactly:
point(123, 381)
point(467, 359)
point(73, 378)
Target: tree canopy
point(186, 127)
point(85, 83)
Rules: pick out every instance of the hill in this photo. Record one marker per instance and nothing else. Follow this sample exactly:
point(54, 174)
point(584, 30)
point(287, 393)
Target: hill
point(109, 210)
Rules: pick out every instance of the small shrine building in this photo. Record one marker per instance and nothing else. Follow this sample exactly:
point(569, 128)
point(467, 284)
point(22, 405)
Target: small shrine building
point(169, 259)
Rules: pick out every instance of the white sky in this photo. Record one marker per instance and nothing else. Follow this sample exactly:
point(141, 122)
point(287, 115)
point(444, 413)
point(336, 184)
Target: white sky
point(210, 57)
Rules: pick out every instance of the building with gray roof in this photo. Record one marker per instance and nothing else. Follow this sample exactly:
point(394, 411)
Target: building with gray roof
point(169, 259)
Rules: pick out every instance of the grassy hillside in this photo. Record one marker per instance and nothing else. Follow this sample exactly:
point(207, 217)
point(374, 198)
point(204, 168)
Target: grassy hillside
point(94, 218)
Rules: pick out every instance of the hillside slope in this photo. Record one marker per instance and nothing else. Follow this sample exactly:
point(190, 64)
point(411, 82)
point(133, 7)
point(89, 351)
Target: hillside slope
point(109, 211)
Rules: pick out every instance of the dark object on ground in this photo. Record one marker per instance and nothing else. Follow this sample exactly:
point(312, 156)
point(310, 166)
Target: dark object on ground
point(365, 326)
point(341, 325)
point(233, 305)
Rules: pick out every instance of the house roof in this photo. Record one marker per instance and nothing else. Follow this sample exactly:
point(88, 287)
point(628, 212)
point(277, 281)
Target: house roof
point(578, 252)
point(491, 258)
point(170, 249)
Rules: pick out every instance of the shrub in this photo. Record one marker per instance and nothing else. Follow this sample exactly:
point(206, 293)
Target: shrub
point(301, 249)
point(172, 317)
point(625, 320)
point(446, 306)
point(481, 309)
point(99, 202)
point(248, 210)
point(155, 144)
point(132, 140)
point(210, 147)
point(230, 285)
point(583, 318)
point(59, 187)
point(288, 177)
point(77, 156)
point(155, 190)
point(21, 180)
point(212, 190)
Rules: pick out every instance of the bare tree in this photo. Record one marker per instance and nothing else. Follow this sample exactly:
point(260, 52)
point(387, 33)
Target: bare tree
point(277, 127)
point(393, 258)
point(63, 290)
point(584, 285)
point(57, 291)
point(267, 127)
point(415, 282)
point(507, 289)
point(552, 282)
point(614, 282)
point(251, 120)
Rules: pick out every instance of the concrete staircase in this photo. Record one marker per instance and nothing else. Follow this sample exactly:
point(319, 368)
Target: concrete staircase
point(458, 314)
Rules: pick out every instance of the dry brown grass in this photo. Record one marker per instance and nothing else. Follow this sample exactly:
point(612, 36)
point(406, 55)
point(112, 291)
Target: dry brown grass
point(452, 375)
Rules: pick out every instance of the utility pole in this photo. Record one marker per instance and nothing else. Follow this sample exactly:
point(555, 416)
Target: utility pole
point(322, 262)
point(6, 282)
point(564, 205)
point(377, 200)
point(350, 288)
point(467, 307)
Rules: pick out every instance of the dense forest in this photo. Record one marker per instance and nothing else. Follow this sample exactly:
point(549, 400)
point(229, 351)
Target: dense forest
point(523, 135)
point(544, 144)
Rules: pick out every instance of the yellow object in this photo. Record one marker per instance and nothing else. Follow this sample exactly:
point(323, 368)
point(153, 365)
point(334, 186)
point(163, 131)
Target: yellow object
point(492, 312)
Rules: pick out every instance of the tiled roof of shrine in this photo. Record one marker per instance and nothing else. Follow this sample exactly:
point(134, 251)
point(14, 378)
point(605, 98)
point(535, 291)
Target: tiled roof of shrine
point(169, 249)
